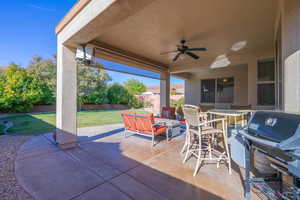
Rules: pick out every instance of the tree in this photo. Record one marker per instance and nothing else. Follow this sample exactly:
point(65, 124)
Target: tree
point(45, 71)
point(117, 94)
point(134, 86)
point(19, 89)
point(92, 84)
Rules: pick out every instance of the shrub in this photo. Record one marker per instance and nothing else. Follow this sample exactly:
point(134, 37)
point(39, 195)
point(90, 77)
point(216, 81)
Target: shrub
point(97, 96)
point(135, 102)
point(178, 105)
point(20, 89)
point(148, 104)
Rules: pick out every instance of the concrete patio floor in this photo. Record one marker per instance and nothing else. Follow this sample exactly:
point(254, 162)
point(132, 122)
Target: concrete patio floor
point(108, 166)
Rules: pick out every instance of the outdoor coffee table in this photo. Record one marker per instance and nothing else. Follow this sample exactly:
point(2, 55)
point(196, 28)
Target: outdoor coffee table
point(169, 123)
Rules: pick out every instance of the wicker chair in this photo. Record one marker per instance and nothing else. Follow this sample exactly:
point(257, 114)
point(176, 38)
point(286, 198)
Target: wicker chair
point(202, 116)
point(202, 136)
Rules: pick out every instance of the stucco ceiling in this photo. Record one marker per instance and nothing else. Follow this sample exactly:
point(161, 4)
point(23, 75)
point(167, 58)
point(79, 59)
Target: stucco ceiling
point(214, 24)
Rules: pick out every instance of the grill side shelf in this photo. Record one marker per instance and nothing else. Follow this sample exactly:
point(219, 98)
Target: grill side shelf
point(258, 140)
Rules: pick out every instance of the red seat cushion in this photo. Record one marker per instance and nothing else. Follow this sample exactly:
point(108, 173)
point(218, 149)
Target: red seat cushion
point(160, 129)
point(144, 122)
point(168, 112)
point(129, 120)
point(182, 121)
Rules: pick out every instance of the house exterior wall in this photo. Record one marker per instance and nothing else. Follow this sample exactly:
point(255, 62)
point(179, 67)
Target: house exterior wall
point(175, 88)
point(240, 74)
point(155, 101)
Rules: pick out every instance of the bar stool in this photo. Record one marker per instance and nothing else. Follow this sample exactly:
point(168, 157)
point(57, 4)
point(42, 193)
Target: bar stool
point(203, 137)
point(203, 116)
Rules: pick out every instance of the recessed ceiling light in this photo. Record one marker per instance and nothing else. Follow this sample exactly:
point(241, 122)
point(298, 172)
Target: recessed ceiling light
point(239, 45)
point(220, 61)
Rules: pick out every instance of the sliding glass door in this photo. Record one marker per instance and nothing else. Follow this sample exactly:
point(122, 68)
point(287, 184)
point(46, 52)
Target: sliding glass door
point(208, 89)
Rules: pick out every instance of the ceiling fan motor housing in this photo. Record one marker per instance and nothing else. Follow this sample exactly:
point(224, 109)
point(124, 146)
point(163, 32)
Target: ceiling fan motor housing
point(184, 49)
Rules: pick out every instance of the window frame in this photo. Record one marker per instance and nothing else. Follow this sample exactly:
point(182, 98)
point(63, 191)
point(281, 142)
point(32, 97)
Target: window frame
point(258, 82)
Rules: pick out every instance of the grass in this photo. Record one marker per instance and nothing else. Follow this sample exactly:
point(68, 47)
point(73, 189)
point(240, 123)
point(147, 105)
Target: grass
point(34, 124)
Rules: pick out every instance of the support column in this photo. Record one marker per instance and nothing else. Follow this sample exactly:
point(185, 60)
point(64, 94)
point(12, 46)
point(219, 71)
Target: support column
point(292, 83)
point(165, 90)
point(66, 100)
point(290, 15)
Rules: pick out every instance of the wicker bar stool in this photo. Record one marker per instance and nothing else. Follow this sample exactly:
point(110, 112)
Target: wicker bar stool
point(203, 116)
point(204, 137)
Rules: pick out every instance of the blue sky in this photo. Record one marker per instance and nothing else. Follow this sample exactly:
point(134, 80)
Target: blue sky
point(27, 30)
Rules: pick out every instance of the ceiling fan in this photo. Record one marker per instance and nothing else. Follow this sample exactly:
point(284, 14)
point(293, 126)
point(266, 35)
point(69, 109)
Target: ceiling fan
point(182, 49)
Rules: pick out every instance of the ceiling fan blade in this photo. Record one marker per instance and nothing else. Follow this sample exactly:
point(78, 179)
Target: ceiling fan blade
point(197, 49)
point(168, 52)
point(176, 57)
point(192, 55)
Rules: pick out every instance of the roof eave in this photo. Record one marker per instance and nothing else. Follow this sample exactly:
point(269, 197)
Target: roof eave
point(81, 4)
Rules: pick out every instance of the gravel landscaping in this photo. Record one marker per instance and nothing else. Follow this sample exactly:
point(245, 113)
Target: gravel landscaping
point(9, 188)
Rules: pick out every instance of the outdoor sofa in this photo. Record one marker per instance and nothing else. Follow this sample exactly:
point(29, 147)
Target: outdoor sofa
point(142, 124)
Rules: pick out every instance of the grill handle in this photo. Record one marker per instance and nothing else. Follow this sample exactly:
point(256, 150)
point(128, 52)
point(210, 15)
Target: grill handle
point(244, 133)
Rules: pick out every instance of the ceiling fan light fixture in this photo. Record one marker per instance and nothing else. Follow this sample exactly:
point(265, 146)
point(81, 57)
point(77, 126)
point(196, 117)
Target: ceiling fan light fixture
point(182, 57)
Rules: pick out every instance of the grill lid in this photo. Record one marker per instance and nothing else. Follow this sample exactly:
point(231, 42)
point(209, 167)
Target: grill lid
point(275, 126)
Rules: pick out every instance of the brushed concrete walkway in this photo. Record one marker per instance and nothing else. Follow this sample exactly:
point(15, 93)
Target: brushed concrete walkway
point(110, 167)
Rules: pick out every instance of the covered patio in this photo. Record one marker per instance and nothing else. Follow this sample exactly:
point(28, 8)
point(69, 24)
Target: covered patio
point(246, 44)
point(252, 60)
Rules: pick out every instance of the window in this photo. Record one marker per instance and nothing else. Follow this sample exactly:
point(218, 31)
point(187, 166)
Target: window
point(266, 94)
point(208, 88)
point(266, 82)
point(220, 90)
point(265, 71)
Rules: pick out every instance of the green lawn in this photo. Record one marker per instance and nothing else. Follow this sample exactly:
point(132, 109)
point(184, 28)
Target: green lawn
point(42, 123)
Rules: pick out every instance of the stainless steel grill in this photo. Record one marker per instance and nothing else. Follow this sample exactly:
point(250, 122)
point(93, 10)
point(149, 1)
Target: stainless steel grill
point(277, 136)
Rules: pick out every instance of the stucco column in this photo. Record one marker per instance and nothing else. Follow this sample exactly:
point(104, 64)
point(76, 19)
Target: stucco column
point(66, 100)
point(252, 82)
point(165, 90)
point(292, 83)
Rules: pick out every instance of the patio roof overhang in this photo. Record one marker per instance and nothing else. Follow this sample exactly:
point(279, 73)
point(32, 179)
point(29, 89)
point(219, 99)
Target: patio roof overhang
point(135, 32)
